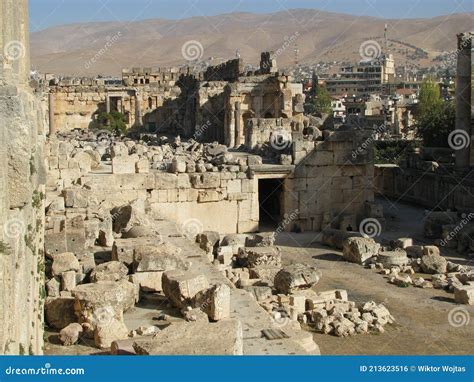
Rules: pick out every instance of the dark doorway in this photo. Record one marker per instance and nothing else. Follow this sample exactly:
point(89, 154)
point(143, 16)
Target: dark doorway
point(269, 198)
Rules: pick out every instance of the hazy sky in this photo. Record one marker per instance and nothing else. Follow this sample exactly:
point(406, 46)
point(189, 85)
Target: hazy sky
point(45, 13)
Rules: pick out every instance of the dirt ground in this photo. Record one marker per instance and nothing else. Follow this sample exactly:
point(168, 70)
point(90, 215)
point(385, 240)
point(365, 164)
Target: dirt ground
point(422, 315)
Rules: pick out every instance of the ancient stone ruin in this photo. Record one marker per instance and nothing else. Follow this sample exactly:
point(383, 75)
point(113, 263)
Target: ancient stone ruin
point(163, 240)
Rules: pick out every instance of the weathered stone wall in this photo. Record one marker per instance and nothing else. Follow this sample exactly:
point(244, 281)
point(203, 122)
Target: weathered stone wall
point(430, 189)
point(176, 101)
point(77, 106)
point(205, 197)
point(329, 186)
point(260, 130)
point(154, 76)
point(22, 178)
point(227, 71)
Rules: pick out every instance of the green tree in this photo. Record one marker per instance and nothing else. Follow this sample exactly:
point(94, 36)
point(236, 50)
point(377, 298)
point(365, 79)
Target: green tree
point(320, 102)
point(113, 121)
point(435, 118)
point(435, 125)
point(430, 96)
point(323, 100)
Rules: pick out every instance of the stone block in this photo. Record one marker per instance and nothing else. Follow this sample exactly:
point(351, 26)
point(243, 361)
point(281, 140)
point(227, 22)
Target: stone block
point(264, 273)
point(464, 294)
point(320, 158)
point(225, 254)
point(215, 302)
point(123, 250)
point(359, 249)
point(70, 334)
point(178, 165)
point(68, 281)
point(106, 333)
point(208, 240)
point(433, 263)
point(259, 256)
point(110, 271)
point(124, 164)
point(298, 303)
point(161, 257)
point(142, 166)
point(335, 238)
point(76, 198)
point(59, 312)
point(103, 297)
point(183, 181)
point(147, 281)
point(165, 181)
point(392, 258)
point(296, 276)
point(209, 196)
point(63, 262)
point(222, 338)
point(182, 287)
point(207, 180)
point(262, 239)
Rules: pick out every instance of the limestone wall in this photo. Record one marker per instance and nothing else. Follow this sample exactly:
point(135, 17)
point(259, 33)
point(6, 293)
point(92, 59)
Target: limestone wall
point(433, 190)
point(329, 186)
point(227, 71)
point(22, 178)
point(225, 201)
point(77, 106)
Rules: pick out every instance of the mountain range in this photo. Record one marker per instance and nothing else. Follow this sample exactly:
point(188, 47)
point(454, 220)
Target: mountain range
point(85, 49)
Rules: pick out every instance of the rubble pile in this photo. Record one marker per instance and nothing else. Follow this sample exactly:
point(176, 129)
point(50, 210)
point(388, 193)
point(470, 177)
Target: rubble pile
point(289, 293)
point(161, 154)
point(405, 264)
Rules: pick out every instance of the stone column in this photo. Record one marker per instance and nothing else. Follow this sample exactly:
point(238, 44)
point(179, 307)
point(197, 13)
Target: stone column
point(231, 127)
point(138, 110)
point(238, 124)
point(463, 95)
point(107, 103)
point(52, 125)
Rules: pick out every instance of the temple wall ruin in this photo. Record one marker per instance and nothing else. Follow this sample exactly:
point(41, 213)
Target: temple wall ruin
point(77, 106)
point(429, 189)
point(323, 185)
point(211, 105)
point(22, 179)
point(329, 186)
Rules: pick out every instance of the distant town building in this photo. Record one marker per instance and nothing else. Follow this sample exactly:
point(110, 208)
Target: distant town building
point(363, 78)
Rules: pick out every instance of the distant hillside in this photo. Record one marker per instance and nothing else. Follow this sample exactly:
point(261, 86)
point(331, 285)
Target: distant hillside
point(107, 47)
